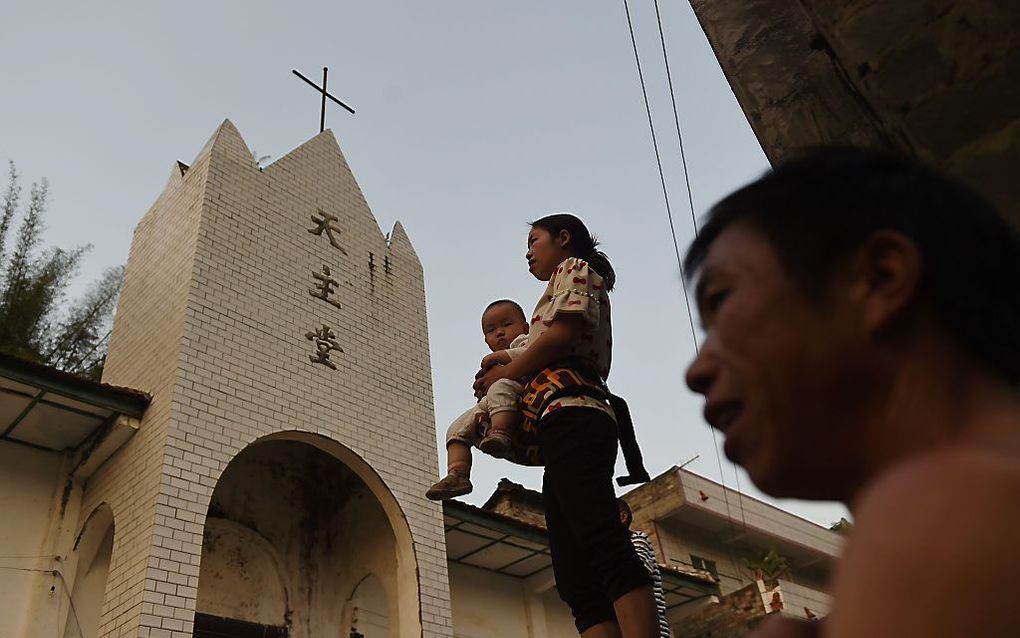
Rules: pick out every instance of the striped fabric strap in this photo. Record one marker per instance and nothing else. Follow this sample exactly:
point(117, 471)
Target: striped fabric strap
point(643, 547)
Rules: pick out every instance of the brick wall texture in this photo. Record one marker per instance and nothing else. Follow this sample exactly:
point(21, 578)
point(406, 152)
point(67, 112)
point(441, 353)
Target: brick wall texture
point(212, 322)
point(735, 615)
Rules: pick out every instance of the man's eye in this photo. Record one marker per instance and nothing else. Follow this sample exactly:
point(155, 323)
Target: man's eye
point(715, 298)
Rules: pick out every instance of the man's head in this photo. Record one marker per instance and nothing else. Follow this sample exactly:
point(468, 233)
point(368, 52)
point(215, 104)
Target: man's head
point(502, 322)
point(818, 283)
point(626, 515)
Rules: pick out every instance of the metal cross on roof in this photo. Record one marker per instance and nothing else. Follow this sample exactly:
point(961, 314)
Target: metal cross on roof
point(322, 89)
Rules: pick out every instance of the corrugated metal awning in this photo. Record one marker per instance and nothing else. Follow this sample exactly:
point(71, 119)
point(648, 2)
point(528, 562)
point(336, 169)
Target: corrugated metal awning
point(48, 409)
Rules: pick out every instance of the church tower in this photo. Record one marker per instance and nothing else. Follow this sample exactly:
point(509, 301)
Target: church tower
point(275, 483)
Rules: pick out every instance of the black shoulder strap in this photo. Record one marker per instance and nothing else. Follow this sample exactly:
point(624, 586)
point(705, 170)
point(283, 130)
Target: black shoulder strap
point(628, 443)
point(624, 425)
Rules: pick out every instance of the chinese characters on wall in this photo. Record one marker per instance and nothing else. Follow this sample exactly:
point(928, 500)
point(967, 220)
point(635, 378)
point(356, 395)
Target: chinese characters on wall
point(326, 223)
point(325, 288)
point(325, 342)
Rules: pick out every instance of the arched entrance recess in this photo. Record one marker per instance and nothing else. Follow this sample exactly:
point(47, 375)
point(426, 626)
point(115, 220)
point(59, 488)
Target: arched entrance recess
point(368, 610)
point(93, 549)
point(295, 523)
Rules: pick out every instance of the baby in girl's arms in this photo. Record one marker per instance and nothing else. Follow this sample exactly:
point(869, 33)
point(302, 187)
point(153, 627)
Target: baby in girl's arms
point(490, 424)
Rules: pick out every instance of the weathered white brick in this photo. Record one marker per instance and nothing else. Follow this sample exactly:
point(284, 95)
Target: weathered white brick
point(211, 323)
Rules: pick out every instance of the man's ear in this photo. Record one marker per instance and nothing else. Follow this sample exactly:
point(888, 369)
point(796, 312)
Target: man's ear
point(563, 238)
point(889, 268)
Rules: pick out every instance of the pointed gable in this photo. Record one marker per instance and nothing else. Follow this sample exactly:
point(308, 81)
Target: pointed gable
point(226, 142)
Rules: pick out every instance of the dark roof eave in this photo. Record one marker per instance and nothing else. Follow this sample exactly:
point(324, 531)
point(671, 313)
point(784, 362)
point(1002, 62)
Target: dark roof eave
point(513, 527)
point(124, 401)
point(496, 522)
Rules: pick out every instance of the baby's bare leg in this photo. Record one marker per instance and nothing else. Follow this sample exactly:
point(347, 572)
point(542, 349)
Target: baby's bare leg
point(502, 400)
point(457, 481)
point(458, 458)
point(505, 422)
point(497, 441)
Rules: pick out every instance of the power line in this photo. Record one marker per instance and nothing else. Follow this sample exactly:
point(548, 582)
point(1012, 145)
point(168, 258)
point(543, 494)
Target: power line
point(662, 177)
point(669, 214)
point(740, 496)
point(676, 119)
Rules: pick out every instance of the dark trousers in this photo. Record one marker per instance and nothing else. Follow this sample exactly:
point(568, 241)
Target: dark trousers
point(593, 559)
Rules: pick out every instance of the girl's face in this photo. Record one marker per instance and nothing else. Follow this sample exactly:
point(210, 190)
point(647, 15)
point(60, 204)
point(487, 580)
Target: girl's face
point(546, 251)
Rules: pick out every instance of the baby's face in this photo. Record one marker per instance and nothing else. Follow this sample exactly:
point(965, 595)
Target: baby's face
point(501, 324)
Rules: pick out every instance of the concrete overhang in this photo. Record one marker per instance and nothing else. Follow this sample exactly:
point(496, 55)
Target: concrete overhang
point(689, 500)
point(932, 78)
point(48, 409)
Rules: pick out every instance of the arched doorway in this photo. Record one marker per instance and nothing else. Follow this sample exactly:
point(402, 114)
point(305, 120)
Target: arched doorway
point(367, 613)
point(294, 524)
point(241, 577)
point(92, 551)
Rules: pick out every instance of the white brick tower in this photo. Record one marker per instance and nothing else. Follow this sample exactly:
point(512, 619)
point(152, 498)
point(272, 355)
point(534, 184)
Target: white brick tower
point(261, 304)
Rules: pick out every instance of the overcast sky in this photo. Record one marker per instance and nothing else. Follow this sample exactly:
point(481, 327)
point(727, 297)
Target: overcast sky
point(472, 119)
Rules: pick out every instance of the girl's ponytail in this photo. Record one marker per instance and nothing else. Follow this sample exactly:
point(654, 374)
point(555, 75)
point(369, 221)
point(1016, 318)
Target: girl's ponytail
point(598, 262)
point(582, 244)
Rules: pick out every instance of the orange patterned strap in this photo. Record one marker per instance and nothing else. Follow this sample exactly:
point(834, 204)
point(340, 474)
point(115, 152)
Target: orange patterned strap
point(572, 377)
point(575, 377)
point(560, 379)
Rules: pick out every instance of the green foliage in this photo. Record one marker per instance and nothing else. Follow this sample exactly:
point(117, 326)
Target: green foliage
point(35, 322)
point(769, 565)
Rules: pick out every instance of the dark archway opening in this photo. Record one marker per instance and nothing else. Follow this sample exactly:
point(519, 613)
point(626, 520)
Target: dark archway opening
point(290, 533)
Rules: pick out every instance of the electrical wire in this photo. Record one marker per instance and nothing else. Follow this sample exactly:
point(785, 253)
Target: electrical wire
point(662, 177)
point(676, 119)
point(70, 601)
point(672, 227)
point(694, 222)
point(63, 584)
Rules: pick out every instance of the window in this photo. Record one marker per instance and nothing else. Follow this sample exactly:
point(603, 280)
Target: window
point(697, 562)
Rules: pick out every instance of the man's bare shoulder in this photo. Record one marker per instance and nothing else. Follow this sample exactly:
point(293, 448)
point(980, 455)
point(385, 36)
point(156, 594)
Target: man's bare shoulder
point(943, 486)
point(932, 552)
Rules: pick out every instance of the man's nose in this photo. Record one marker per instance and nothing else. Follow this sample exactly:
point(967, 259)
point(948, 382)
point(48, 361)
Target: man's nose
point(703, 370)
